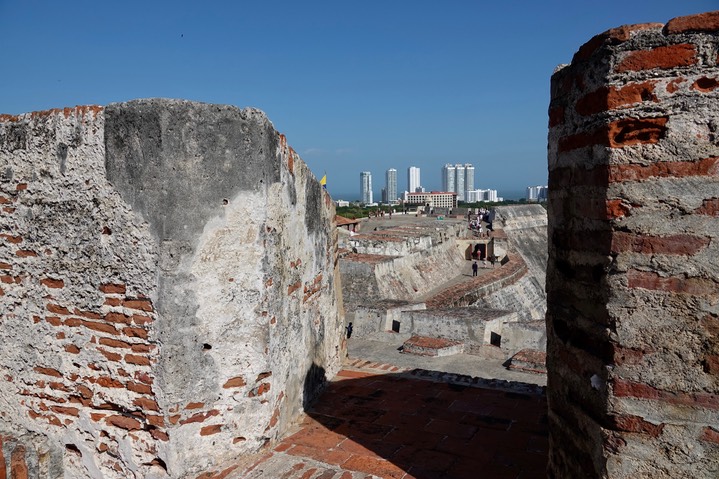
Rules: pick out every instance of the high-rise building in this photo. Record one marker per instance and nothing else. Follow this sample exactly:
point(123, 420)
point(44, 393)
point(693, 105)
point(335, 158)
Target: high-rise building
point(460, 182)
point(413, 179)
point(468, 177)
point(391, 185)
point(537, 193)
point(449, 178)
point(366, 187)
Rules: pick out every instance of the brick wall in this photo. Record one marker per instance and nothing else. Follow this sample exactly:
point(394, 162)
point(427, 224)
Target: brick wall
point(633, 277)
point(167, 289)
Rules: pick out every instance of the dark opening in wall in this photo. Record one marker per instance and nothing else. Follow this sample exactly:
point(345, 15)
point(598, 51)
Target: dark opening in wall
point(395, 326)
point(495, 339)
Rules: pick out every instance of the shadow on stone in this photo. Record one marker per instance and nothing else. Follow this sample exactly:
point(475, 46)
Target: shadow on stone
point(395, 424)
point(315, 382)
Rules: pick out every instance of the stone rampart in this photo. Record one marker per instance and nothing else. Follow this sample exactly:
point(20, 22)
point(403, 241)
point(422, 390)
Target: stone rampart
point(633, 277)
point(168, 296)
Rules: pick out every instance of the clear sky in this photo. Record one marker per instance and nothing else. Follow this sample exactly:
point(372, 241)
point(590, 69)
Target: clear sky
point(355, 85)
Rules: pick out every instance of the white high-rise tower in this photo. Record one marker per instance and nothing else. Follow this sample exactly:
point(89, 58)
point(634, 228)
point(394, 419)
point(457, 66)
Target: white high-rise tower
point(413, 179)
point(366, 187)
point(391, 185)
point(460, 182)
point(448, 178)
point(468, 178)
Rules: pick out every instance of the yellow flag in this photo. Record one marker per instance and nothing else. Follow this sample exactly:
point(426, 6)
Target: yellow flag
point(323, 181)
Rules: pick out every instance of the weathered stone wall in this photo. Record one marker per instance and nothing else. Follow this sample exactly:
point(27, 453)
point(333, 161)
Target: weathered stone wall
point(168, 288)
point(633, 277)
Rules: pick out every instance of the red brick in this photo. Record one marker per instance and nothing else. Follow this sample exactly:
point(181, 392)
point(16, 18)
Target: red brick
point(663, 169)
point(200, 417)
point(87, 314)
point(11, 238)
point(158, 421)
point(209, 430)
point(68, 411)
point(681, 55)
point(235, 382)
point(137, 359)
point(673, 85)
point(18, 466)
point(117, 318)
point(144, 377)
point(701, 22)
point(108, 382)
point(195, 405)
point(611, 98)
point(711, 364)
point(636, 131)
point(633, 389)
point(675, 244)
point(617, 209)
point(376, 466)
point(109, 355)
point(142, 348)
point(141, 319)
point(618, 134)
point(84, 391)
point(100, 327)
point(5, 265)
point(706, 84)
point(259, 390)
point(47, 371)
point(25, 253)
point(71, 348)
point(710, 434)
point(124, 422)
point(114, 343)
point(141, 304)
point(629, 423)
point(159, 435)
point(139, 388)
point(146, 404)
point(672, 284)
point(135, 333)
point(57, 309)
point(613, 36)
point(53, 283)
point(294, 287)
point(112, 288)
point(709, 207)
point(53, 320)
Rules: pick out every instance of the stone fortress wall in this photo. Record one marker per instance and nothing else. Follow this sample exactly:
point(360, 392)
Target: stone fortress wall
point(168, 289)
point(429, 292)
point(633, 276)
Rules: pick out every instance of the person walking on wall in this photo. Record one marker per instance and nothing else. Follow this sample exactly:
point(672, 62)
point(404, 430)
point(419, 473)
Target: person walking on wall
point(474, 268)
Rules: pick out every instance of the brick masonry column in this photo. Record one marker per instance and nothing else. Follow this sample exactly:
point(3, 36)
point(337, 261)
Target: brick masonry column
point(633, 273)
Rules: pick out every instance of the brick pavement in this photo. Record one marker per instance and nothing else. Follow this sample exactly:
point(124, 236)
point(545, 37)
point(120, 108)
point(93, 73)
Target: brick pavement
point(374, 422)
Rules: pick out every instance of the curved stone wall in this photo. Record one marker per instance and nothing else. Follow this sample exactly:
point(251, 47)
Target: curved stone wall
point(168, 288)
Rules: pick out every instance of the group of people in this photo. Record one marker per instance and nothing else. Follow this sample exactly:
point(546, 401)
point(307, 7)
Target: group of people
point(475, 222)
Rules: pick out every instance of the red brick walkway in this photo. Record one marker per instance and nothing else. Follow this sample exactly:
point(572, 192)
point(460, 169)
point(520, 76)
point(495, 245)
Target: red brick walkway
point(375, 424)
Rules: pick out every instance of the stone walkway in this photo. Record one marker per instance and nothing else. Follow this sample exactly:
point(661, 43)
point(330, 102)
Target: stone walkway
point(380, 421)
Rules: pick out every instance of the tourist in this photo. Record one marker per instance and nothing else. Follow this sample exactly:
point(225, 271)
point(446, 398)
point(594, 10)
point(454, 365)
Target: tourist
point(474, 268)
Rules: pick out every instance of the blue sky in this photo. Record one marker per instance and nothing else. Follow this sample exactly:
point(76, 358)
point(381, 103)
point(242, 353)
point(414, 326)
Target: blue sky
point(354, 85)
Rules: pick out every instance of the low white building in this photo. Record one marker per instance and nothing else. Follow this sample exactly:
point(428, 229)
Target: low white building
point(435, 199)
point(475, 196)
